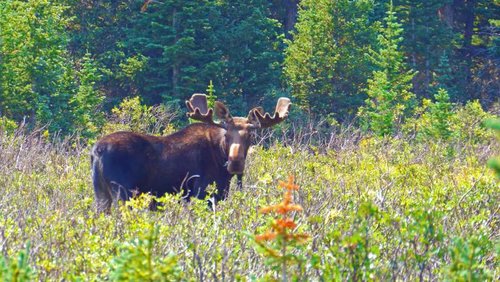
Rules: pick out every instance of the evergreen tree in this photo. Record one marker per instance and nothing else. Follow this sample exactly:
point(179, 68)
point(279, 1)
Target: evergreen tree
point(325, 62)
point(100, 28)
point(463, 31)
point(437, 118)
point(176, 39)
point(251, 52)
point(285, 11)
point(16, 94)
point(424, 31)
point(188, 43)
point(389, 88)
point(86, 101)
point(479, 50)
point(445, 78)
point(36, 70)
point(37, 75)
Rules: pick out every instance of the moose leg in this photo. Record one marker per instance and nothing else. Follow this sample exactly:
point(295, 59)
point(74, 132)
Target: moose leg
point(222, 189)
point(199, 188)
point(102, 193)
point(120, 192)
point(102, 189)
point(239, 183)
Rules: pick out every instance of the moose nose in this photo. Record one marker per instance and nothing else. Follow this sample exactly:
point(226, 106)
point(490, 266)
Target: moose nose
point(235, 167)
point(236, 162)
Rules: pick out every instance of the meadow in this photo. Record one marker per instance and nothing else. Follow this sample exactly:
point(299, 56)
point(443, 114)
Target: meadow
point(387, 167)
point(394, 208)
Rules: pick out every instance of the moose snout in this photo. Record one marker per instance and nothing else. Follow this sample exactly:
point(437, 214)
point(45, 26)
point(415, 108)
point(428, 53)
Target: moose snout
point(235, 166)
point(236, 162)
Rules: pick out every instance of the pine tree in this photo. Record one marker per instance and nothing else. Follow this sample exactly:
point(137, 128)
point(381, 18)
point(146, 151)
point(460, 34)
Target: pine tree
point(35, 73)
point(445, 78)
point(425, 31)
point(251, 52)
point(389, 88)
point(324, 62)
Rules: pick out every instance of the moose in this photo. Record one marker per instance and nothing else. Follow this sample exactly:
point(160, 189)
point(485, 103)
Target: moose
point(127, 163)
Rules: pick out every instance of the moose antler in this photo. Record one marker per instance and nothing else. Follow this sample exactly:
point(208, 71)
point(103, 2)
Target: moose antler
point(280, 114)
point(198, 109)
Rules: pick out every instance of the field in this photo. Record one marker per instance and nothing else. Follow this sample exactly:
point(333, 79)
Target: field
point(374, 209)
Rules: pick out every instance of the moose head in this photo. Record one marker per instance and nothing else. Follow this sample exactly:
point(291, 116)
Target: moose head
point(238, 130)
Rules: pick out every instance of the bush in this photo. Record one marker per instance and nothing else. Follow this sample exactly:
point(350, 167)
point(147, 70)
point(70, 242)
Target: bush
point(467, 256)
point(467, 123)
point(16, 270)
point(375, 209)
point(132, 115)
point(495, 125)
point(138, 261)
point(7, 125)
point(441, 120)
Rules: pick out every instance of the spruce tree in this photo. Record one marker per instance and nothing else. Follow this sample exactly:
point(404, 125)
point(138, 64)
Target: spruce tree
point(35, 72)
point(324, 62)
point(187, 43)
point(427, 35)
point(437, 118)
point(176, 39)
point(389, 88)
point(445, 78)
point(250, 48)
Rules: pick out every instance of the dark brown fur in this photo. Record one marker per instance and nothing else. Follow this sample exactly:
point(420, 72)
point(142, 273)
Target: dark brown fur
point(189, 160)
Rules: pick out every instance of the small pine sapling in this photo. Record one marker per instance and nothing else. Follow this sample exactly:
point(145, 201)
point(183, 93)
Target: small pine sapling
point(278, 242)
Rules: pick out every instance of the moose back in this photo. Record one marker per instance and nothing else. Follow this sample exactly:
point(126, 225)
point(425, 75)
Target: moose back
point(127, 163)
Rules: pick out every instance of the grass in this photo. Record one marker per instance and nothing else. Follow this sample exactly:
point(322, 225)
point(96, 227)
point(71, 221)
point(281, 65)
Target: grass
point(375, 209)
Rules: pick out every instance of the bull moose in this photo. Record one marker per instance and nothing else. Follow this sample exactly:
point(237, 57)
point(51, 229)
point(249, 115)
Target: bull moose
point(188, 160)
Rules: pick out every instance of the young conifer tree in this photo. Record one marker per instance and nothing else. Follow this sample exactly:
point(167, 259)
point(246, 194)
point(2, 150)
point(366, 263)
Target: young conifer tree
point(389, 88)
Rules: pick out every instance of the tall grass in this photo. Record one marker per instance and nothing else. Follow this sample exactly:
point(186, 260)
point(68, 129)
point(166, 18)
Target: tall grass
point(376, 209)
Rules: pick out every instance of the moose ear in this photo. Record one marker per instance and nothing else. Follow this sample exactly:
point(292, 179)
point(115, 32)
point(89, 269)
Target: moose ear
point(222, 112)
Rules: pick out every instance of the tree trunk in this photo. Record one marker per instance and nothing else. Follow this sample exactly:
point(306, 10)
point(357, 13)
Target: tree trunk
point(291, 7)
point(469, 15)
point(175, 66)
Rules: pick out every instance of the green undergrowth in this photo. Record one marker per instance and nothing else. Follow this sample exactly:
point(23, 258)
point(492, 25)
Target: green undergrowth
point(375, 209)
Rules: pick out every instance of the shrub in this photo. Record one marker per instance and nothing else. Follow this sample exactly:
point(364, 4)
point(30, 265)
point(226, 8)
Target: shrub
point(132, 115)
point(16, 270)
point(467, 123)
point(467, 259)
point(277, 244)
point(375, 209)
point(494, 163)
point(137, 261)
point(7, 125)
point(441, 120)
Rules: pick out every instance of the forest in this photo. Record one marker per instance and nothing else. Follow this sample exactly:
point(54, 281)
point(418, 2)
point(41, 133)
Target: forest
point(386, 168)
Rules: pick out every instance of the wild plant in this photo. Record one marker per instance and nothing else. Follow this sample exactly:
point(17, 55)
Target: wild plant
point(280, 241)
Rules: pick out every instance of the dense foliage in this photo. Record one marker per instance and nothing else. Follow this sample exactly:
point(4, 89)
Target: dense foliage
point(371, 209)
point(389, 90)
point(390, 133)
point(66, 62)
